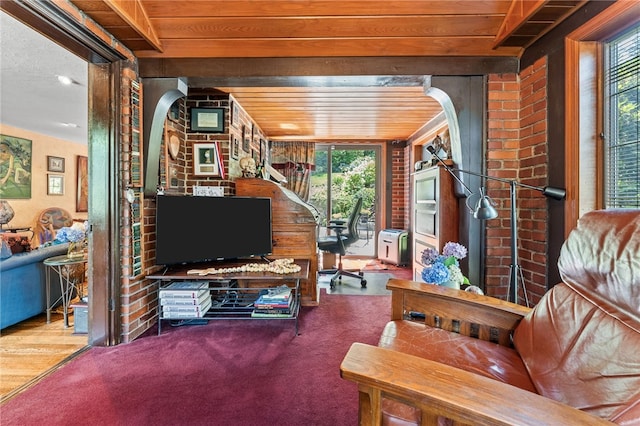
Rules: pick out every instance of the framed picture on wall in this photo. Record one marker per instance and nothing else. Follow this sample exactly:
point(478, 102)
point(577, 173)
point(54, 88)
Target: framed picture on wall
point(55, 184)
point(235, 148)
point(82, 188)
point(246, 138)
point(263, 152)
point(17, 152)
point(174, 112)
point(206, 159)
point(55, 164)
point(235, 114)
point(207, 120)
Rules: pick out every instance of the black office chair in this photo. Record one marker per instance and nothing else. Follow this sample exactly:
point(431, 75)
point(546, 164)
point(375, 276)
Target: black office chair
point(344, 234)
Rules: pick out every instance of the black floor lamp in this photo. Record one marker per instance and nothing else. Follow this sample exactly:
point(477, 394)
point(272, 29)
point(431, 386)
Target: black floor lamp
point(485, 210)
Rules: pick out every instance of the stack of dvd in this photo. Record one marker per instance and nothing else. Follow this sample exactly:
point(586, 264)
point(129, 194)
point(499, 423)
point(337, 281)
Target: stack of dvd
point(185, 299)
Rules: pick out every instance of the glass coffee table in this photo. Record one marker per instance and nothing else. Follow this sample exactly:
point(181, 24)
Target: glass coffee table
point(71, 274)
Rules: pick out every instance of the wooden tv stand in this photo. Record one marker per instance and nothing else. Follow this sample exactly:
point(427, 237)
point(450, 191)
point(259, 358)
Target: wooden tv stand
point(234, 292)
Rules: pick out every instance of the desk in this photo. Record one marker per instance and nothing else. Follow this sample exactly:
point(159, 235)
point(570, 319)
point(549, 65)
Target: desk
point(70, 273)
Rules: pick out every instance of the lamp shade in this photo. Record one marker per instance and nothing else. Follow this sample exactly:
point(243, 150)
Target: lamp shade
point(484, 209)
point(555, 193)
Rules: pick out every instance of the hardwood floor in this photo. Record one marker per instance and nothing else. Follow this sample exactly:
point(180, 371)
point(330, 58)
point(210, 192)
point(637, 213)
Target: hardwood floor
point(31, 349)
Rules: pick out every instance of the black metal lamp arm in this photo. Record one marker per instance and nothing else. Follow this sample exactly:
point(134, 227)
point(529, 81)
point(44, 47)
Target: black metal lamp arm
point(547, 191)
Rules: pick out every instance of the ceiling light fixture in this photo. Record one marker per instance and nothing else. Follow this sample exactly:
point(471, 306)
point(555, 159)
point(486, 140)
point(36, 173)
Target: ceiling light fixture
point(67, 81)
point(70, 125)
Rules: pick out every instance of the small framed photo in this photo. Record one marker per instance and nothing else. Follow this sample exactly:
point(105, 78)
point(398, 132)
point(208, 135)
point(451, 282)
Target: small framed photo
point(235, 114)
point(55, 184)
point(174, 112)
point(206, 159)
point(207, 120)
point(246, 138)
point(235, 148)
point(55, 164)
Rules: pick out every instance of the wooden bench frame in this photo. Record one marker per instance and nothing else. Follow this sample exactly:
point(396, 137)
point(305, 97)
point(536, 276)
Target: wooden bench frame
point(438, 390)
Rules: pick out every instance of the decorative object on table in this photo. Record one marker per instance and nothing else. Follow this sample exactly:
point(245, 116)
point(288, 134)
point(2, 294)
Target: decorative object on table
point(248, 166)
point(277, 266)
point(444, 269)
point(6, 213)
point(474, 289)
point(76, 236)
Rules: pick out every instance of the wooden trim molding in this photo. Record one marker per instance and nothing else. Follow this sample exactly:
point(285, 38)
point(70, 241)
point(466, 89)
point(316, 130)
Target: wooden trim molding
point(583, 104)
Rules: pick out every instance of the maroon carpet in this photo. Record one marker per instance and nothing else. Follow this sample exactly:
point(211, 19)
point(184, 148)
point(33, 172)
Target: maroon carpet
point(224, 373)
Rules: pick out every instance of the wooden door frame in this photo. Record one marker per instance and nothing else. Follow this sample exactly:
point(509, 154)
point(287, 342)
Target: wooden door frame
point(383, 191)
point(104, 104)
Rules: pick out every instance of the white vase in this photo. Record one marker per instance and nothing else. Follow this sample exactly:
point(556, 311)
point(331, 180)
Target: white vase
point(451, 284)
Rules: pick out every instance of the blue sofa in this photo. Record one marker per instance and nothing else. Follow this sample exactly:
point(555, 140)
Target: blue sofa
point(23, 284)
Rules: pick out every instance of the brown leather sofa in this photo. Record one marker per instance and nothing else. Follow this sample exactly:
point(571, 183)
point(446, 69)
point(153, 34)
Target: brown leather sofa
point(573, 359)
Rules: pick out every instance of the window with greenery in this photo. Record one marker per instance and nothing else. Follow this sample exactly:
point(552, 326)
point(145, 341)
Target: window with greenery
point(622, 120)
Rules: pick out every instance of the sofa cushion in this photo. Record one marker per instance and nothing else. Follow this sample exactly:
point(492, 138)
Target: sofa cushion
point(592, 365)
point(580, 343)
point(17, 243)
point(467, 353)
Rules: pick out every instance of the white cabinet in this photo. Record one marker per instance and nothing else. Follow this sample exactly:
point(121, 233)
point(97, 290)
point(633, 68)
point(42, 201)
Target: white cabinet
point(434, 215)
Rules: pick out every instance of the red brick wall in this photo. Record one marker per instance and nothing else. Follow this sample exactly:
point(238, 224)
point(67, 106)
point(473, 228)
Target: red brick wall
point(399, 186)
point(138, 297)
point(517, 150)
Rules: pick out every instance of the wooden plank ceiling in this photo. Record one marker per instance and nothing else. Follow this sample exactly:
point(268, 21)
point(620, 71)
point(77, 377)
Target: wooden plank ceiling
point(323, 107)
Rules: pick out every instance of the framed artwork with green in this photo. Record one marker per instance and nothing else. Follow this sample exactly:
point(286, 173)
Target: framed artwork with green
point(15, 167)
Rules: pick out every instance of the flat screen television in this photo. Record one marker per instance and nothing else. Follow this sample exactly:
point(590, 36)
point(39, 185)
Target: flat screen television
point(200, 229)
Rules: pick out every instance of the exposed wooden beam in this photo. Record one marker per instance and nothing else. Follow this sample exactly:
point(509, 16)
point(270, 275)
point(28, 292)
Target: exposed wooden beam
point(133, 13)
point(226, 8)
point(324, 66)
point(517, 15)
point(336, 47)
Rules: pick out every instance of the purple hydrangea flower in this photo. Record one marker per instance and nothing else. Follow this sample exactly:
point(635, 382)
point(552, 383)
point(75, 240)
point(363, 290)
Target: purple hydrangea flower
point(456, 250)
point(429, 256)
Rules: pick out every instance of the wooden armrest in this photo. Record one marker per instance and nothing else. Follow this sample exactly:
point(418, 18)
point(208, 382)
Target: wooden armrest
point(440, 390)
point(483, 317)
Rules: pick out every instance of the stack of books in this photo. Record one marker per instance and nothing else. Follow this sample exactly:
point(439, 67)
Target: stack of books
point(274, 303)
point(185, 299)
